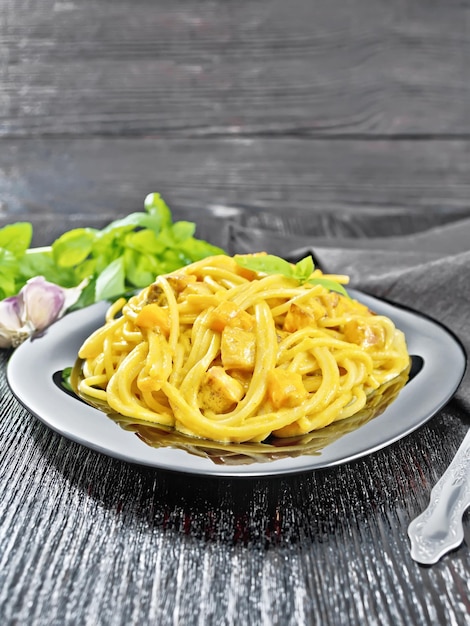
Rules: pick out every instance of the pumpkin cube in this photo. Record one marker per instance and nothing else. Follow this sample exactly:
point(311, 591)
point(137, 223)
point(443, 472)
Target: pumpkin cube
point(219, 392)
point(285, 389)
point(299, 317)
point(237, 349)
point(154, 317)
point(229, 314)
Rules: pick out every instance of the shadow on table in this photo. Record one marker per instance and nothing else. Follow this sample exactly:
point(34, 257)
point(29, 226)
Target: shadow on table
point(311, 506)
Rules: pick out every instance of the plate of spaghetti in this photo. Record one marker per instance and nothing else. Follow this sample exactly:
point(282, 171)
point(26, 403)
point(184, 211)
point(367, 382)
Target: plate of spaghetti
point(239, 366)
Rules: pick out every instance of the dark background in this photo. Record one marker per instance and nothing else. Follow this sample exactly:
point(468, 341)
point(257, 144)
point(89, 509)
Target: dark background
point(319, 111)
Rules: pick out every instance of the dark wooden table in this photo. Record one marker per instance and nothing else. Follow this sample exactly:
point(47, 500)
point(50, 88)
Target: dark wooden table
point(326, 119)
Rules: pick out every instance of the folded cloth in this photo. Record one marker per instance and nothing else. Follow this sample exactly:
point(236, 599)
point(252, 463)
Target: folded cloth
point(435, 241)
point(428, 271)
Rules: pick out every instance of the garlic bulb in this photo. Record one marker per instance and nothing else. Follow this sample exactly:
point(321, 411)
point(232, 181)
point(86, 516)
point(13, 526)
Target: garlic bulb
point(37, 306)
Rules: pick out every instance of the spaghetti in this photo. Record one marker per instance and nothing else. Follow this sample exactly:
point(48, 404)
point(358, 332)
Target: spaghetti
point(270, 449)
point(221, 352)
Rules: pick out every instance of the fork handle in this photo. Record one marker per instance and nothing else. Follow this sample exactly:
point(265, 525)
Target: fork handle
point(439, 527)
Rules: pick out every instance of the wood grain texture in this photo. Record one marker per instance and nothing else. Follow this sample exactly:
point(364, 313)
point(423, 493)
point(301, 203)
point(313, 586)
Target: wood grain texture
point(97, 541)
point(332, 120)
point(319, 188)
point(192, 68)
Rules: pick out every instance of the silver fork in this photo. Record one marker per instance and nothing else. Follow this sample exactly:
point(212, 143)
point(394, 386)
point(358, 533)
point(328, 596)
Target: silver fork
point(438, 529)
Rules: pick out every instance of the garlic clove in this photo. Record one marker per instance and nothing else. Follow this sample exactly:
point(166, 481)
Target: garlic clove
point(37, 306)
point(43, 302)
point(13, 330)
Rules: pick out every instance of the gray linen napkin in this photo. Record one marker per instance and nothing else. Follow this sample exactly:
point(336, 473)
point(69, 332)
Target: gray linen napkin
point(428, 271)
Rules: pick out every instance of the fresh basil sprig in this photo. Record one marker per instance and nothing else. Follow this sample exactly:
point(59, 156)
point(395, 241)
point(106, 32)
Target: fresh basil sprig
point(300, 271)
point(125, 255)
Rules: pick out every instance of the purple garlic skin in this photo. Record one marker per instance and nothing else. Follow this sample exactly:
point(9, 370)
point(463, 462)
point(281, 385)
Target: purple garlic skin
point(38, 305)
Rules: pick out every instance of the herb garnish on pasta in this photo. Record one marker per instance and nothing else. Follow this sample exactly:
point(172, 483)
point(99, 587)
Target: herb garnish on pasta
point(221, 351)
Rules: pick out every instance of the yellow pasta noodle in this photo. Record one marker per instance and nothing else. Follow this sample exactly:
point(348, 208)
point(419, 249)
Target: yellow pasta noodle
point(221, 352)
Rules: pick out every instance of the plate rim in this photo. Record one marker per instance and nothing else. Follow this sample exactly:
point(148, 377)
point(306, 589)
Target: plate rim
point(206, 467)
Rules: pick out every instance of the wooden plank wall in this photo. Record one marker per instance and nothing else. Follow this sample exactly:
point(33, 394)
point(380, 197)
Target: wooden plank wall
point(251, 107)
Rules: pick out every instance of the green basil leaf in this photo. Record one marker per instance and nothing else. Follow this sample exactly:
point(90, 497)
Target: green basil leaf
point(87, 296)
point(41, 262)
point(172, 259)
point(266, 264)
point(181, 231)
point(127, 253)
point(270, 264)
point(111, 282)
point(145, 241)
point(73, 247)
point(65, 379)
point(8, 273)
point(197, 249)
point(8, 279)
point(332, 285)
point(141, 270)
point(131, 222)
point(157, 207)
point(87, 269)
point(107, 247)
point(304, 269)
point(8, 286)
point(16, 237)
